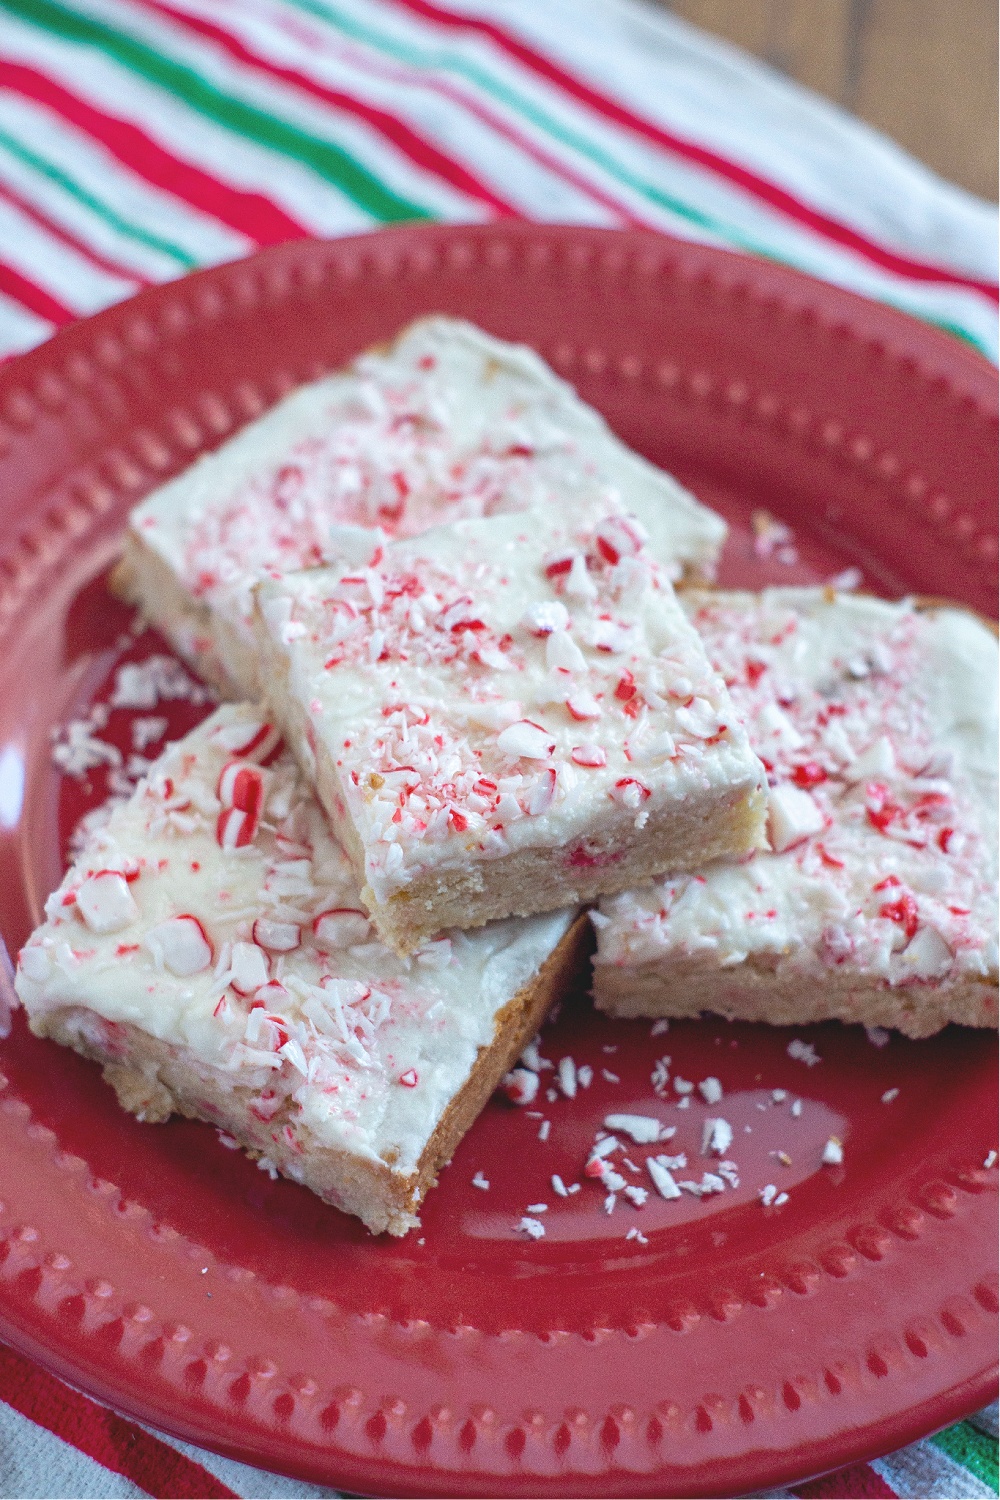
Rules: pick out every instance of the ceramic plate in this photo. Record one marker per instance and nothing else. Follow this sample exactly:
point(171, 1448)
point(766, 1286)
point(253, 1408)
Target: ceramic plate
point(725, 1346)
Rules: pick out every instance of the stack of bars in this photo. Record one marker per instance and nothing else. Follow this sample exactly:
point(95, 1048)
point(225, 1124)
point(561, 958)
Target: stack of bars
point(467, 700)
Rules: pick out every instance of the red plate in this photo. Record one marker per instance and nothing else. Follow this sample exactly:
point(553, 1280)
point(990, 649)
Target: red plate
point(734, 1347)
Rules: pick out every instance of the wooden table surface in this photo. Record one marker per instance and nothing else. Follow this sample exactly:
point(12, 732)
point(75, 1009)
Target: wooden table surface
point(923, 71)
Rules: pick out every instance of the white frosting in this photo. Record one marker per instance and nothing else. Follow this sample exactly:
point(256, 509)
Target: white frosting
point(369, 1048)
point(878, 727)
point(449, 422)
point(497, 686)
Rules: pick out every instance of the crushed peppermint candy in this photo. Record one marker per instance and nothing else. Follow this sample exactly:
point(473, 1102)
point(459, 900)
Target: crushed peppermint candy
point(770, 1197)
point(533, 1228)
point(804, 1052)
point(146, 730)
point(710, 1183)
point(660, 1076)
point(890, 1095)
point(78, 748)
point(643, 1129)
point(520, 1085)
point(662, 1176)
point(531, 1058)
point(159, 678)
point(479, 1181)
point(991, 1160)
point(710, 1090)
point(833, 1152)
point(567, 1076)
point(717, 1137)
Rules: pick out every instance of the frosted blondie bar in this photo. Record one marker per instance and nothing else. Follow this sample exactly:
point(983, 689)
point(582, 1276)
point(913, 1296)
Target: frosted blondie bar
point(877, 900)
point(504, 717)
point(210, 949)
point(446, 422)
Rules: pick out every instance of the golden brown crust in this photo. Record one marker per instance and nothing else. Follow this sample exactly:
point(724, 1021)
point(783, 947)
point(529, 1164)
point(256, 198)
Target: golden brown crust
point(753, 991)
point(516, 1024)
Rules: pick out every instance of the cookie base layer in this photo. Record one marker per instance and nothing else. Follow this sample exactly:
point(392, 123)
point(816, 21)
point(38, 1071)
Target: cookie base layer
point(612, 858)
point(203, 639)
point(756, 993)
point(154, 1080)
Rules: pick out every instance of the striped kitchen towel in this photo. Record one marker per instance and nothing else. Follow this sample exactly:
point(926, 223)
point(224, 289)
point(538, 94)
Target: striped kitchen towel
point(140, 139)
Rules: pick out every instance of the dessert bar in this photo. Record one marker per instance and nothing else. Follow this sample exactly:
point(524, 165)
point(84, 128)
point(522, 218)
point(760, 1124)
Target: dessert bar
point(445, 422)
point(209, 948)
point(877, 900)
point(505, 716)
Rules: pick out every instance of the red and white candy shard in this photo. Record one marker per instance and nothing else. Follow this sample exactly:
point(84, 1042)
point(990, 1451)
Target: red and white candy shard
point(105, 902)
point(257, 739)
point(276, 936)
point(521, 1086)
point(343, 927)
point(181, 945)
point(792, 815)
point(527, 740)
point(241, 792)
point(248, 968)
